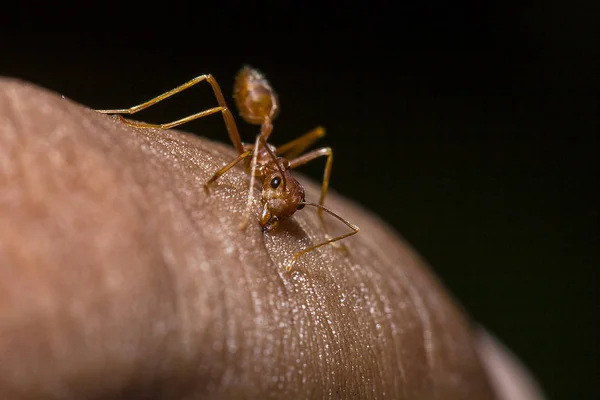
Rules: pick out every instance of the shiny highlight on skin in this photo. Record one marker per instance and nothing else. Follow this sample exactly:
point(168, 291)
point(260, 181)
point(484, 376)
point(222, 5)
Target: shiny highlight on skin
point(120, 279)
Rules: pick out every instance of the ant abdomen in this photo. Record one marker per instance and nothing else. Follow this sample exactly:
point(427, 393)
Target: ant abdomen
point(255, 98)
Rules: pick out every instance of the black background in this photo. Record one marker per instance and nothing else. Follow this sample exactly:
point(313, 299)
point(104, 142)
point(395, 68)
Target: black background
point(470, 127)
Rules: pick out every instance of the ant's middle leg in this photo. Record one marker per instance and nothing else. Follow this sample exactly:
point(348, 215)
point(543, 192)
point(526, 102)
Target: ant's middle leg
point(226, 168)
point(253, 174)
point(232, 130)
point(297, 146)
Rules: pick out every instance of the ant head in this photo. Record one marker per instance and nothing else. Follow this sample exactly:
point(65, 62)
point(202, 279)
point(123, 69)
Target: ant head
point(281, 195)
point(255, 98)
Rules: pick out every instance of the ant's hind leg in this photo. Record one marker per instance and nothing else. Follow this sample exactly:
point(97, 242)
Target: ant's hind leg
point(232, 130)
point(159, 98)
point(173, 124)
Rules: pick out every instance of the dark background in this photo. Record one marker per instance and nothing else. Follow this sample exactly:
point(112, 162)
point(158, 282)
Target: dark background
point(470, 127)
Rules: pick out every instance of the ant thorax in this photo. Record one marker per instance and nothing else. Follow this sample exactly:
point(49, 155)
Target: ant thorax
point(262, 157)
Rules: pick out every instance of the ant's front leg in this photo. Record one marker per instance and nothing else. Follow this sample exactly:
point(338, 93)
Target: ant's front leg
point(325, 151)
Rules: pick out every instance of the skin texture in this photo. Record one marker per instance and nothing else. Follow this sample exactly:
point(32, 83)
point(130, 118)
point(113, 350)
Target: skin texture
point(121, 278)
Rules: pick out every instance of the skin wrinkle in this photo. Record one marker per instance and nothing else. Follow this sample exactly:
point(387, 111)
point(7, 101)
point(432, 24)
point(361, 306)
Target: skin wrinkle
point(206, 329)
point(338, 329)
point(224, 343)
point(277, 287)
point(381, 250)
point(256, 313)
point(358, 275)
point(170, 260)
point(231, 340)
point(179, 315)
point(397, 361)
point(261, 318)
point(258, 348)
point(234, 359)
point(423, 319)
point(375, 305)
point(314, 326)
point(331, 337)
point(185, 316)
point(49, 300)
point(321, 335)
point(442, 315)
point(367, 353)
point(314, 347)
point(261, 315)
point(165, 273)
point(393, 333)
point(333, 331)
point(396, 283)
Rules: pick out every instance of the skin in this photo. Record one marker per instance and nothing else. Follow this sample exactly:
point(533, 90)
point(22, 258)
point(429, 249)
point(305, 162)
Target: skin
point(121, 278)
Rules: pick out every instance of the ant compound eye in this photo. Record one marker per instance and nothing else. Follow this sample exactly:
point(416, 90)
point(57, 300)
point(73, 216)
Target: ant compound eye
point(275, 182)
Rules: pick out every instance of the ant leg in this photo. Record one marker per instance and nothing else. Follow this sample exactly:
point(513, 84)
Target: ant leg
point(354, 228)
point(173, 124)
point(229, 121)
point(325, 151)
point(297, 146)
point(226, 168)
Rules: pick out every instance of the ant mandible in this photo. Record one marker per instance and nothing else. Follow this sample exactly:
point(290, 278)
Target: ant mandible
point(282, 194)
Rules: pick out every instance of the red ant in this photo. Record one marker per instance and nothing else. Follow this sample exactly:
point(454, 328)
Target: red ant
point(257, 103)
